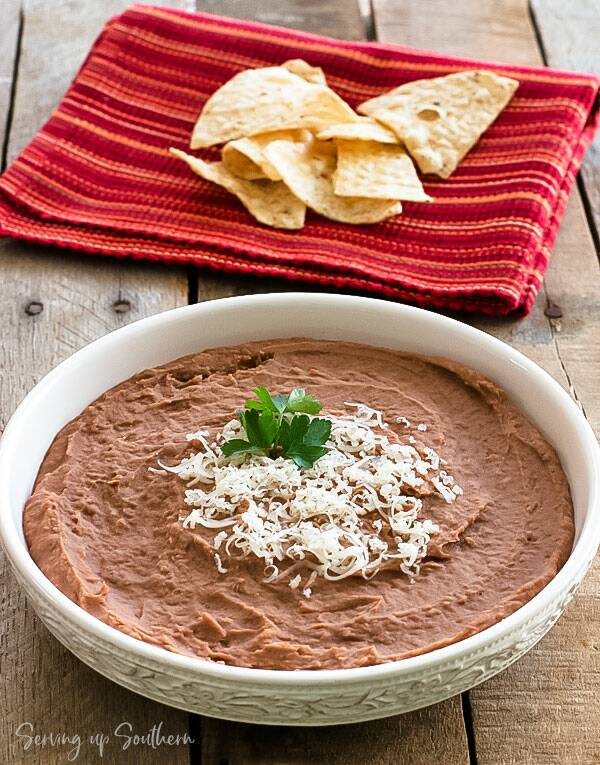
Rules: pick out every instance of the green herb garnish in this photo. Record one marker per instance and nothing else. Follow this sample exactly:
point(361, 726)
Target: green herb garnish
point(279, 426)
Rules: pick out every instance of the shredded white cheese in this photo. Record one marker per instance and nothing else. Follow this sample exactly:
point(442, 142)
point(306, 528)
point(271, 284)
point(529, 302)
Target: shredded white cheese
point(220, 567)
point(357, 507)
point(295, 582)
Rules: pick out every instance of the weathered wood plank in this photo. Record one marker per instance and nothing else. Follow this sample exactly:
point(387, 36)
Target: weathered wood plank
point(429, 736)
point(213, 285)
point(50, 305)
point(433, 735)
point(569, 33)
point(546, 700)
point(479, 28)
point(573, 284)
point(9, 40)
point(340, 19)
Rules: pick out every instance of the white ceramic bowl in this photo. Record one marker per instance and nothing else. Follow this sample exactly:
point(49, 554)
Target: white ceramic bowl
point(305, 697)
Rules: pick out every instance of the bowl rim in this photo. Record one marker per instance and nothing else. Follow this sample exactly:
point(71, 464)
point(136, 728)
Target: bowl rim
point(583, 550)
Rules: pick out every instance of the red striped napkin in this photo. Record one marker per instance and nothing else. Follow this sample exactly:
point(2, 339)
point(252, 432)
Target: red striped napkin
point(98, 177)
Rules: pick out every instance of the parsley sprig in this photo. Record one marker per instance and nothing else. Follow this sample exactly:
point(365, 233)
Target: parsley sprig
point(279, 426)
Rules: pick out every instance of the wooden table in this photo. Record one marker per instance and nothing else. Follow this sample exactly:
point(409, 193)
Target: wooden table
point(544, 710)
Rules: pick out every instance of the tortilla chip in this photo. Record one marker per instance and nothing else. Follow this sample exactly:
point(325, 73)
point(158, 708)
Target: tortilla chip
point(263, 100)
point(269, 202)
point(305, 70)
point(441, 119)
point(307, 169)
point(245, 157)
point(377, 171)
point(364, 130)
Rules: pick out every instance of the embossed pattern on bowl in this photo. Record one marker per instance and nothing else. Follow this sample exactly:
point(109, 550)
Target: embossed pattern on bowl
point(322, 697)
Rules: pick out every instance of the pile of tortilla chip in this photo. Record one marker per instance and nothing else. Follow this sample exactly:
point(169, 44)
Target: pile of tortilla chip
point(290, 142)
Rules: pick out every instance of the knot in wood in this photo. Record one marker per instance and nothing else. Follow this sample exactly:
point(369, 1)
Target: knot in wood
point(553, 311)
point(34, 308)
point(121, 306)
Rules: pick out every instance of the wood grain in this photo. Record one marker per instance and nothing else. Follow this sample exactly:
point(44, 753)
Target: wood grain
point(337, 19)
point(573, 283)
point(212, 285)
point(10, 30)
point(549, 699)
point(497, 30)
point(544, 709)
point(570, 36)
point(423, 738)
point(50, 305)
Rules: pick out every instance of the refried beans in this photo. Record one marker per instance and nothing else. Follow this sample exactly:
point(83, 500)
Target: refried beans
point(107, 532)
